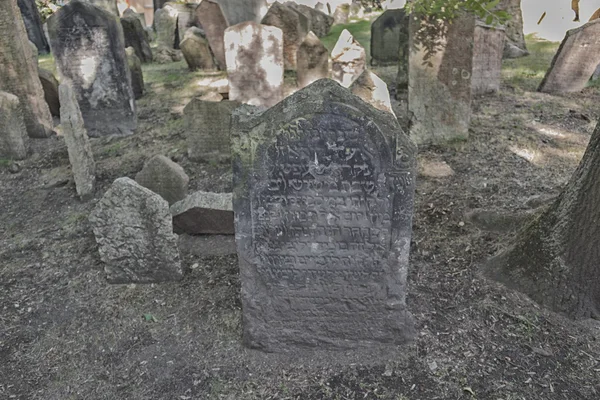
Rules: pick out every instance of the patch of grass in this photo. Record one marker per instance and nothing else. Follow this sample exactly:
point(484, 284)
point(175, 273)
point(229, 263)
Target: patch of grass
point(46, 61)
point(5, 162)
point(526, 73)
point(360, 29)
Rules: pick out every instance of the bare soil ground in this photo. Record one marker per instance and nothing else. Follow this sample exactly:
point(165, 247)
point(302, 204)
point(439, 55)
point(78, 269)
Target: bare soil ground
point(66, 334)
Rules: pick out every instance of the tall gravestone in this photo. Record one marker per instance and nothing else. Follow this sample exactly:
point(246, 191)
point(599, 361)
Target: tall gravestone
point(165, 25)
point(254, 56)
point(238, 11)
point(320, 23)
point(312, 61)
point(14, 142)
point(33, 25)
point(135, 36)
point(389, 32)
point(323, 202)
point(575, 61)
point(19, 72)
point(295, 27)
point(88, 45)
point(487, 59)
point(439, 89)
point(211, 17)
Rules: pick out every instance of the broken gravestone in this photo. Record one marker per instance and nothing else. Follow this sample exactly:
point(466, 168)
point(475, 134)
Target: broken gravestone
point(87, 43)
point(254, 55)
point(211, 17)
point(50, 86)
point(323, 203)
point(196, 50)
point(439, 89)
point(137, 76)
point(348, 59)
point(207, 129)
point(14, 142)
point(312, 61)
point(389, 33)
point(575, 61)
point(204, 213)
point(163, 176)
point(134, 231)
point(78, 143)
point(18, 71)
point(487, 59)
point(135, 36)
point(33, 25)
point(295, 27)
point(372, 90)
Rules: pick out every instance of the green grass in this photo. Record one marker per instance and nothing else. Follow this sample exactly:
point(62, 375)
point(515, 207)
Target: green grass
point(527, 72)
point(361, 30)
point(46, 61)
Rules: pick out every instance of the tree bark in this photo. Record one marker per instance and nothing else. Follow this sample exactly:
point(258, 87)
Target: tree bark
point(555, 258)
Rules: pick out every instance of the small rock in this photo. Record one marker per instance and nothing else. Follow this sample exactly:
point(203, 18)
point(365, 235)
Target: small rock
point(163, 176)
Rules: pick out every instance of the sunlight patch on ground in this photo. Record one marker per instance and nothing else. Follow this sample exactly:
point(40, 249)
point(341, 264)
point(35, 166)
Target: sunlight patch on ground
point(526, 154)
point(548, 130)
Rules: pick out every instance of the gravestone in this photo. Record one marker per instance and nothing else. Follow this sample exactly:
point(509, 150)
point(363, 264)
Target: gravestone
point(33, 25)
point(319, 22)
point(575, 61)
point(514, 46)
point(320, 7)
point(50, 86)
point(211, 17)
point(371, 89)
point(106, 5)
point(158, 4)
point(295, 27)
point(196, 50)
point(313, 61)
point(238, 11)
point(164, 177)
point(19, 72)
point(135, 36)
point(134, 231)
point(323, 202)
point(439, 89)
point(254, 57)
point(487, 59)
point(207, 129)
point(81, 157)
point(348, 59)
point(185, 17)
point(165, 25)
point(341, 14)
point(204, 213)
point(14, 142)
point(137, 76)
point(89, 49)
point(389, 33)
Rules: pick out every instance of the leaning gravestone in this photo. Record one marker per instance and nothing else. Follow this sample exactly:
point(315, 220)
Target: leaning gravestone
point(33, 25)
point(185, 17)
point(78, 143)
point(575, 61)
point(487, 59)
point(196, 50)
point(135, 36)
point(14, 142)
point(137, 76)
point(295, 27)
point(107, 5)
point(254, 57)
point(238, 11)
point(88, 45)
point(348, 59)
point(312, 61)
point(19, 72)
point(323, 202)
point(164, 177)
point(204, 213)
point(439, 89)
point(319, 22)
point(389, 33)
point(134, 232)
point(514, 45)
point(207, 129)
point(211, 17)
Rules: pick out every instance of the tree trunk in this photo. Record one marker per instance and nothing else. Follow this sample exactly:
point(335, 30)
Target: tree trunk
point(555, 259)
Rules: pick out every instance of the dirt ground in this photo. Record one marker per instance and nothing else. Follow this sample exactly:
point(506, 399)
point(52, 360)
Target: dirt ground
point(66, 334)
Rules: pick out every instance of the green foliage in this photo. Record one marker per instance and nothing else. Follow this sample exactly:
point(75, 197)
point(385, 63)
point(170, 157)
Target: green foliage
point(450, 9)
point(48, 7)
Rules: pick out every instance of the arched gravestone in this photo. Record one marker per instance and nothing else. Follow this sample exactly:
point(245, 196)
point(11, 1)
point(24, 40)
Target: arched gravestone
point(33, 24)
point(88, 45)
point(389, 34)
point(323, 202)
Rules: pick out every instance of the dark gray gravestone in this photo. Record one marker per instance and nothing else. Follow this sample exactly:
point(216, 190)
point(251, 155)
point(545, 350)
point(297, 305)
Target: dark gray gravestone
point(389, 34)
point(88, 45)
point(107, 5)
point(135, 36)
point(33, 24)
point(323, 203)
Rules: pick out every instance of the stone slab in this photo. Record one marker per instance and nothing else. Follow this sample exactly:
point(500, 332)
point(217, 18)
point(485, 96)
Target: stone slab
point(204, 213)
point(487, 59)
point(14, 142)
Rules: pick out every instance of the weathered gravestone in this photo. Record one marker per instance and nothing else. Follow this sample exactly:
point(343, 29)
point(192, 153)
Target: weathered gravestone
point(14, 142)
point(312, 61)
point(254, 55)
point(33, 25)
point(372, 90)
point(19, 72)
point(341, 14)
point(134, 232)
point(348, 59)
point(204, 213)
point(185, 17)
point(487, 59)
point(50, 86)
point(137, 76)
point(295, 27)
point(389, 33)
point(89, 48)
point(319, 22)
point(135, 36)
point(323, 202)
point(211, 17)
point(514, 46)
point(78, 143)
point(238, 11)
point(196, 50)
point(575, 61)
point(207, 129)
point(439, 89)
point(107, 5)
point(165, 25)
point(164, 177)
